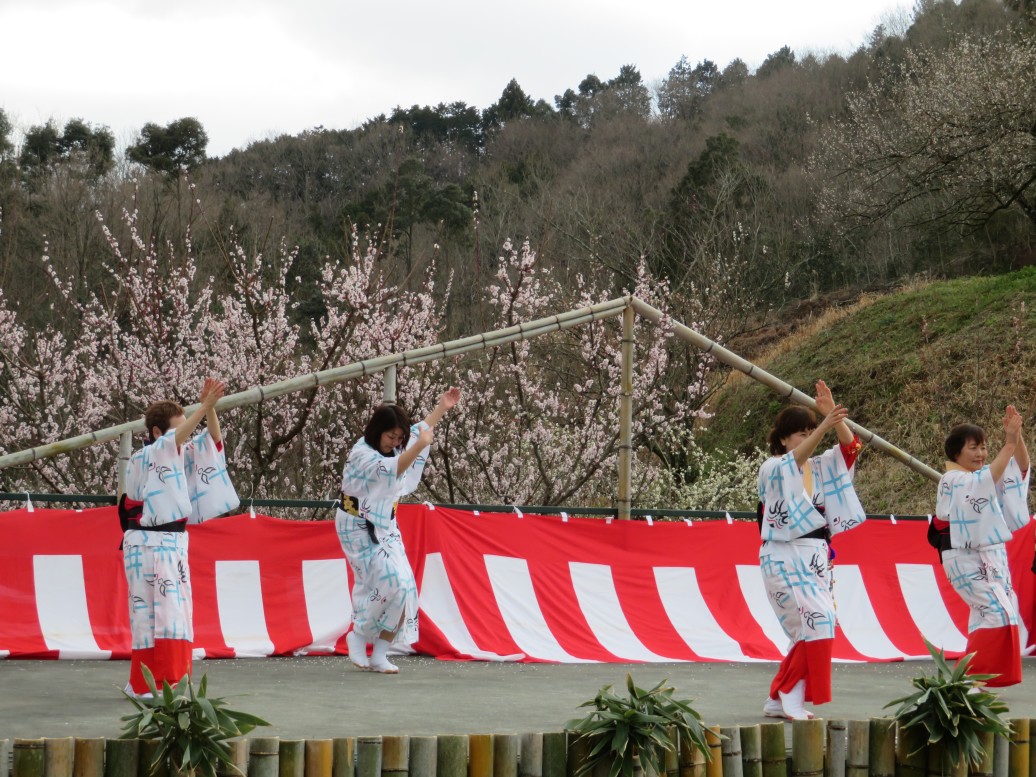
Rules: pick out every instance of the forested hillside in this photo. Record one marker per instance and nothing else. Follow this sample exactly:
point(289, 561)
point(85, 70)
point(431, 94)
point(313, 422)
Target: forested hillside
point(725, 196)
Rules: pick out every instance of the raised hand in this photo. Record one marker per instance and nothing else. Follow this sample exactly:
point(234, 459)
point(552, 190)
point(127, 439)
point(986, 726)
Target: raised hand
point(824, 399)
point(450, 397)
point(1012, 423)
point(837, 415)
point(212, 391)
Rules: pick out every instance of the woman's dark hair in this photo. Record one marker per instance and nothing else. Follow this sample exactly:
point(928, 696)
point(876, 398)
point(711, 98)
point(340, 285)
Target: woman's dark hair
point(789, 421)
point(961, 435)
point(159, 414)
point(385, 419)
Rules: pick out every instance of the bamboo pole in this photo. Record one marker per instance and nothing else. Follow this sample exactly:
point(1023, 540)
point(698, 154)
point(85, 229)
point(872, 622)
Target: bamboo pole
point(257, 394)
point(692, 760)
point(714, 766)
point(985, 767)
point(752, 751)
point(530, 755)
point(344, 765)
point(59, 755)
point(28, 758)
point(911, 751)
point(1032, 750)
point(452, 757)
point(505, 755)
point(1018, 751)
point(395, 756)
point(238, 752)
point(882, 755)
point(670, 760)
point(146, 757)
point(368, 757)
point(775, 751)
point(807, 748)
point(264, 757)
point(388, 396)
point(121, 757)
point(786, 390)
point(730, 752)
point(423, 755)
point(320, 758)
point(555, 754)
point(578, 753)
point(857, 756)
point(939, 766)
point(480, 755)
point(1001, 759)
point(293, 758)
point(624, 502)
point(836, 749)
point(5, 757)
point(88, 760)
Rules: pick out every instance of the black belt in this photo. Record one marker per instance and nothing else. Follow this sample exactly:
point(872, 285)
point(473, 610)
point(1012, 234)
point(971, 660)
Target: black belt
point(940, 540)
point(351, 506)
point(823, 533)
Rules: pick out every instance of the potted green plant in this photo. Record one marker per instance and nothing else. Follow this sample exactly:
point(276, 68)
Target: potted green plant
point(629, 734)
point(190, 728)
point(953, 708)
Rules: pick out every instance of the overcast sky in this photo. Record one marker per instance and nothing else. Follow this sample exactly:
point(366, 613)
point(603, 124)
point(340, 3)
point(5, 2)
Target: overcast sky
point(254, 69)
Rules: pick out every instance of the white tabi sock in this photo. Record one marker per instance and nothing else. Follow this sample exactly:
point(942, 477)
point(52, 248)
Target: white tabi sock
point(794, 702)
point(379, 657)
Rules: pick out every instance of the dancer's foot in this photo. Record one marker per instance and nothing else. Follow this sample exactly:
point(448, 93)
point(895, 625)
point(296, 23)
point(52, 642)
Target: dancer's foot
point(793, 702)
point(357, 650)
point(772, 708)
point(128, 690)
point(384, 667)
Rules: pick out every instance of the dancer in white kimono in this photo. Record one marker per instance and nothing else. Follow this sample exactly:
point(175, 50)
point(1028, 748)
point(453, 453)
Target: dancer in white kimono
point(383, 466)
point(803, 501)
point(978, 507)
point(172, 481)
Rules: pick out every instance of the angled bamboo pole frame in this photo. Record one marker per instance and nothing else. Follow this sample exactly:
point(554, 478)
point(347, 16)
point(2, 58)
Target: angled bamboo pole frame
point(626, 307)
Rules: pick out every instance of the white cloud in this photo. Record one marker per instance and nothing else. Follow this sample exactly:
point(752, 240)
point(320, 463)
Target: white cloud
point(250, 69)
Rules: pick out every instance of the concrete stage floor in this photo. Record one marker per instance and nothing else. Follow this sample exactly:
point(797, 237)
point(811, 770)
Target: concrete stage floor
point(322, 697)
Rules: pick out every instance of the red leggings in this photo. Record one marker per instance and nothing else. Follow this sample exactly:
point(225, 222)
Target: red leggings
point(169, 660)
point(809, 661)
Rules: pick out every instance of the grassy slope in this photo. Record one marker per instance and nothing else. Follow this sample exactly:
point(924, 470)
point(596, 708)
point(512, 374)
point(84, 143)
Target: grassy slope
point(908, 367)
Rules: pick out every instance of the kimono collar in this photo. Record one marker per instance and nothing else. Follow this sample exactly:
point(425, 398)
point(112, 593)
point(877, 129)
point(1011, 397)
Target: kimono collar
point(952, 466)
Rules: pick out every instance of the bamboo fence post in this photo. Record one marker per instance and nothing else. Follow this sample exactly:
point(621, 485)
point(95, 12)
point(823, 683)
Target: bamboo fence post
point(238, 751)
point(555, 754)
point(28, 758)
point(882, 751)
point(423, 755)
point(480, 755)
point(368, 757)
point(671, 758)
point(775, 752)
point(121, 757)
point(911, 751)
point(146, 756)
point(451, 757)
point(751, 751)
point(578, 753)
point(1032, 750)
point(692, 760)
point(395, 756)
point(264, 757)
point(88, 760)
point(985, 768)
point(836, 747)
point(1018, 751)
point(857, 751)
point(938, 767)
point(5, 756)
point(293, 758)
point(1001, 760)
point(730, 749)
point(505, 755)
point(714, 766)
point(59, 754)
point(807, 748)
point(344, 755)
point(319, 758)
point(530, 755)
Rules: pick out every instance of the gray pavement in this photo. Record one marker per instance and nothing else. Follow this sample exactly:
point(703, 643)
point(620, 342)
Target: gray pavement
point(320, 697)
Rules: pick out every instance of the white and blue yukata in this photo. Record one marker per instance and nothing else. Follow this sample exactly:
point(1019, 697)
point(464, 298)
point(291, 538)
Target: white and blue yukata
point(982, 515)
point(172, 487)
point(800, 511)
point(384, 595)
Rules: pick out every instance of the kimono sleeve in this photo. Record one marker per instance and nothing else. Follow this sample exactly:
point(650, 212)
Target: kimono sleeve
point(208, 482)
point(369, 475)
point(969, 501)
point(136, 475)
point(842, 508)
point(787, 512)
point(412, 477)
point(1013, 490)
